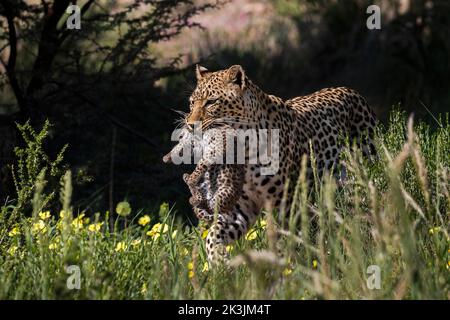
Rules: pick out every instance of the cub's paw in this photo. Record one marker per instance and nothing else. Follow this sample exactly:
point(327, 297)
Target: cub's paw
point(204, 215)
point(195, 201)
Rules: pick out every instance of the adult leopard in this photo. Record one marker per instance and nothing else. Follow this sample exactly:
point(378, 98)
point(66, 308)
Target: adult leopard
point(318, 120)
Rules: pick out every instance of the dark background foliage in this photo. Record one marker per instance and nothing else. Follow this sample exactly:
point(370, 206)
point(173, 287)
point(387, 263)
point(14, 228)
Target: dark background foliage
point(110, 89)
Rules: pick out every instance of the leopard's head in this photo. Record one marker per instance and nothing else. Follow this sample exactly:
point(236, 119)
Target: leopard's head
point(219, 97)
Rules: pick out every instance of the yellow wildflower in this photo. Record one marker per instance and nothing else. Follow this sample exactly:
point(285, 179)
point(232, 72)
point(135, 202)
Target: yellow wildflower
point(62, 214)
point(263, 224)
point(315, 264)
point(205, 234)
point(144, 289)
point(39, 227)
point(287, 271)
point(435, 229)
point(121, 246)
point(191, 270)
point(205, 267)
point(78, 222)
point(59, 225)
point(136, 242)
point(123, 208)
point(95, 227)
point(163, 209)
point(229, 248)
point(53, 246)
point(157, 230)
point(14, 232)
point(251, 235)
point(12, 250)
point(143, 221)
point(174, 234)
point(44, 215)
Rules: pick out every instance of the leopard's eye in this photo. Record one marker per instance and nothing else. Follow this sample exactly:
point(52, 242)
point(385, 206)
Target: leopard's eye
point(211, 102)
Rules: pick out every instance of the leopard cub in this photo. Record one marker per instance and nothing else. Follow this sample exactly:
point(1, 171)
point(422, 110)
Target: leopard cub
point(215, 186)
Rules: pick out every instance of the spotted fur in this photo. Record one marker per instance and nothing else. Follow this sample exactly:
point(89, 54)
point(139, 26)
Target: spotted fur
point(222, 183)
point(318, 120)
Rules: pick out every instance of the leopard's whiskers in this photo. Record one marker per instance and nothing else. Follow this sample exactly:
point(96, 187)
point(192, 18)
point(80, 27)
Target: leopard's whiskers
point(180, 122)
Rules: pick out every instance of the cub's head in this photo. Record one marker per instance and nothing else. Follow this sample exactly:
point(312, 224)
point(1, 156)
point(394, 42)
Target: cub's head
point(219, 97)
point(184, 138)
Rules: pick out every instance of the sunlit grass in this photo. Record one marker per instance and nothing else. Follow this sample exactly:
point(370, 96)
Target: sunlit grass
point(392, 213)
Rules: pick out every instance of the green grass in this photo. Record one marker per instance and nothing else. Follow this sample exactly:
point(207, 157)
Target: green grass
point(392, 213)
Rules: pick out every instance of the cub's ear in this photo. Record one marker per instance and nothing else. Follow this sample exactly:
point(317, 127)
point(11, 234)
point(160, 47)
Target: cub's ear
point(200, 72)
point(236, 75)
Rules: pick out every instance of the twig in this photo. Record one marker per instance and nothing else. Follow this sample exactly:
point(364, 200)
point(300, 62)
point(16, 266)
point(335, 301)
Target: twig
point(423, 104)
point(122, 125)
point(110, 117)
point(11, 64)
point(111, 171)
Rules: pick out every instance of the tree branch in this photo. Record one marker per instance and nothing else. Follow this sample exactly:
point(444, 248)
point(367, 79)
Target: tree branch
point(130, 130)
point(116, 122)
point(10, 65)
point(83, 10)
point(12, 37)
point(48, 45)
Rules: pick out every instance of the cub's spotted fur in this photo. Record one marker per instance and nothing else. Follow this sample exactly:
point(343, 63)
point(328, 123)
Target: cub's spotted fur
point(222, 183)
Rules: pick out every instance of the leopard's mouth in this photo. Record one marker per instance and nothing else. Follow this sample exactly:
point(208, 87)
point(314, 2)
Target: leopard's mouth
point(203, 125)
point(190, 127)
point(209, 123)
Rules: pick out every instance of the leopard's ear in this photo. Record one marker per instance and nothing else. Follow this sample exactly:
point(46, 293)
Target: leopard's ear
point(200, 72)
point(236, 75)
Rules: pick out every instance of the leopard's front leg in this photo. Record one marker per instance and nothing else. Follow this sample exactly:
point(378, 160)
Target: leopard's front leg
point(228, 228)
point(203, 214)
